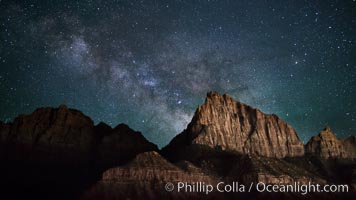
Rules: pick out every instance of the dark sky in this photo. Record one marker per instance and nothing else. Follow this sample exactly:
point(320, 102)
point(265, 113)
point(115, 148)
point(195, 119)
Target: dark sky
point(150, 63)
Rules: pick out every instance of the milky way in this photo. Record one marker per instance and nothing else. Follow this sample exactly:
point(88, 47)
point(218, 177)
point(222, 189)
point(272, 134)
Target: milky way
point(150, 63)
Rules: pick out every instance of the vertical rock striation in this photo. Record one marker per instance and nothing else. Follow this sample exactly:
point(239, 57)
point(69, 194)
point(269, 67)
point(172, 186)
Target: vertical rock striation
point(326, 145)
point(226, 124)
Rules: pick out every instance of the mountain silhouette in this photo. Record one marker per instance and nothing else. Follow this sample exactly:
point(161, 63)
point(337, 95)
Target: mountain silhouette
point(58, 153)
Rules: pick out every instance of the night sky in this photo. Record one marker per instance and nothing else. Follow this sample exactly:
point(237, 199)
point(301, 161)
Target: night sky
point(149, 64)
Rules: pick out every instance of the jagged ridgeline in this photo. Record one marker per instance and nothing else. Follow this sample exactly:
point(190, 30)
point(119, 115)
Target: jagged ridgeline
point(226, 124)
point(223, 123)
point(58, 153)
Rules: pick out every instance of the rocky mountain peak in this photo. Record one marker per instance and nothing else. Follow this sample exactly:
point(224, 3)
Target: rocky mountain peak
point(224, 123)
point(51, 132)
point(59, 149)
point(67, 134)
point(327, 133)
point(326, 145)
point(216, 97)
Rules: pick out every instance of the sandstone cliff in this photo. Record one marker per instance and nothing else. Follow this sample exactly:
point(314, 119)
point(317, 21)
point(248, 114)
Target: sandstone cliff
point(60, 149)
point(63, 134)
point(145, 177)
point(349, 145)
point(226, 124)
point(120, 145)
point(50, 134)
point(58, 153)
point(150, 166)
point(326, 145)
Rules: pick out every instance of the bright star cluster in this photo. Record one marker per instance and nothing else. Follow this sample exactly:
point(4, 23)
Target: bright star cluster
point(150, 63)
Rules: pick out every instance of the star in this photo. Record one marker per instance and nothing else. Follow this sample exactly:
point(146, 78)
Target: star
point(132, 61)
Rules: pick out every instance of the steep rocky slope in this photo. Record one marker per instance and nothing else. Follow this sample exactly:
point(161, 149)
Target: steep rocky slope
point(326, 145)
point(50, 135)
point(67, 135)
point(350, 146)
point(120, 145)
point(145, 178)
point(226, 124)
point(58, 153)
point(60, 149)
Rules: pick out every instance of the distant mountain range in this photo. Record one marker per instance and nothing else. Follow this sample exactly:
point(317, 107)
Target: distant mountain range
point(58, 153)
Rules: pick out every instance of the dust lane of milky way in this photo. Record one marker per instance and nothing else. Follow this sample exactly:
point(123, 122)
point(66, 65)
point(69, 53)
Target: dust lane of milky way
point(150, 63)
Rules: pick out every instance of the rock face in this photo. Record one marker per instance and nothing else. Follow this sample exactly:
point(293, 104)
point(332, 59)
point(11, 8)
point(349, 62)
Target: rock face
point(63, 134)
point(349, 145)
point(326, 145)
point(122, 144)
point(58, 153)
point(51, 134)
point(223, 123)
point(145, 177)
point(149, 166)
point(60, 149)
